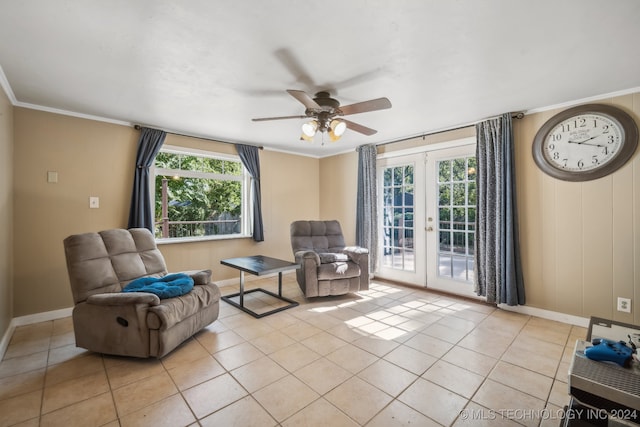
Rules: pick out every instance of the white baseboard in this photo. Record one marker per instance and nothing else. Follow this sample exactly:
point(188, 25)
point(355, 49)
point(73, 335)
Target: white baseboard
point(547, 314)
point(4, 342)
point(28, 320)
point(42, 317)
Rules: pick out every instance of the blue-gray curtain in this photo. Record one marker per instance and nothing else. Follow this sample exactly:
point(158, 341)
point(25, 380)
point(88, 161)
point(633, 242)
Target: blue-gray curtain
point(249, 155)
point(141, 213)
point(497, 255)
point(367, 203)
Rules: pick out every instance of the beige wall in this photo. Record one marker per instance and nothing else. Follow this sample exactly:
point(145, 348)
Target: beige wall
point(6, 212)
point(96, 159)
point(338, 191)
point(580, 241)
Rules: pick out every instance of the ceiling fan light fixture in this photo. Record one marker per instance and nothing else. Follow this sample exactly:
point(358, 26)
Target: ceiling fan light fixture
point(338, 127)
point(309, 129)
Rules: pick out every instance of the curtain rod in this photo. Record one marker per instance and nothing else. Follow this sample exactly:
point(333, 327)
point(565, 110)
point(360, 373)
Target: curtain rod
point(515, 115)
point(138, 127)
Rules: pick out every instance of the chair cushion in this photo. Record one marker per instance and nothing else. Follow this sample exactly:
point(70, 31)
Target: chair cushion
point(317, 236)
point(171, 311)
point(106, 261)
point(169, 286)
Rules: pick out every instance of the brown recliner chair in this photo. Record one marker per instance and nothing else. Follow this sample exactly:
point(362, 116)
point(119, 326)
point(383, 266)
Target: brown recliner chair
point(140, 324)
point(327, 266)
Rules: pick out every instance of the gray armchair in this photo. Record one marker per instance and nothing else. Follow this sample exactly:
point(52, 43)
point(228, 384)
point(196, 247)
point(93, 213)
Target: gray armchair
point(106, 320)
point(327, 266)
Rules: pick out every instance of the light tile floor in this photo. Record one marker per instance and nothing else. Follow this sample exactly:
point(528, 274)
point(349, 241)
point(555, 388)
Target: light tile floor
point(391, 356)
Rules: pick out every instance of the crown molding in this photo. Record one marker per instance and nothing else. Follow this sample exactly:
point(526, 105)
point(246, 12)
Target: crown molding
point(72, 114)
point(585, 100)
point(7, 87)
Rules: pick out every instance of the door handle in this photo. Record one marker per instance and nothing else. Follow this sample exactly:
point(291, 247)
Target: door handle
point(429, 228)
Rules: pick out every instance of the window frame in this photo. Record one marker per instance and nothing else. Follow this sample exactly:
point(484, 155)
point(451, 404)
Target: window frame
point(244, 179)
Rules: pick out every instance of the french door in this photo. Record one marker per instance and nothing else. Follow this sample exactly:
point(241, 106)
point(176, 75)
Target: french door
point(401, 219)
point(451, 215)
point(427, 209)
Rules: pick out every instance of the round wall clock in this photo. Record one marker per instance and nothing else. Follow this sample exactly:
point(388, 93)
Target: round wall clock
point(585, 142)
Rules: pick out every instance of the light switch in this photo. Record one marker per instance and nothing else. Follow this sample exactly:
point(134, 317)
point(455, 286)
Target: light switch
point(94, 202)
point(52, 177)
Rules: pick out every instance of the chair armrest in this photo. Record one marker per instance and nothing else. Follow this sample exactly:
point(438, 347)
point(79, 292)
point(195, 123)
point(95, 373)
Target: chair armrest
point(200, 277)
point(307, 274)
point(303, 256)
point(356, 253)
point(125, 298)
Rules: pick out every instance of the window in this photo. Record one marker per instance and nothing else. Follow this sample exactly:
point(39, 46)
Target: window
point(457, 217)
point(398, 252)
point(200, 195)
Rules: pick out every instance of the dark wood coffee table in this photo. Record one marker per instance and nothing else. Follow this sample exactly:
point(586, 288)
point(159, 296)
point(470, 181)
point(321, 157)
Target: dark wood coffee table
point(259, 265)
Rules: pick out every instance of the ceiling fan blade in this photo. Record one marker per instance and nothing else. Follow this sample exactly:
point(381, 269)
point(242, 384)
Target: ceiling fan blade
point(295, 67)
point(359, 128)
point(264, 119)
point(305, 99)
point(363, 107)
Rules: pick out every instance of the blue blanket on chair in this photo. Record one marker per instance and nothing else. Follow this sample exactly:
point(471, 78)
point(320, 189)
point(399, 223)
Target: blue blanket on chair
point(169, 286)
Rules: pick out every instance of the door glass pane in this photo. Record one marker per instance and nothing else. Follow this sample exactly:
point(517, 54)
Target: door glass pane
point(445, 241)
point(459, 242)
point(387, 177)
point(459, 220)
point(408, 219)
point(459, 194)
point(445, 195)
point(471, 218)
point(398, 174)
point(456, 217)
point(459, 265)
point(397, 217)
point(408, 236)
point(444, 171)
point(471, 169)
point(408, 195)
point(398, 224)
point(472, 192)
point(459, 169)
point(444, 265)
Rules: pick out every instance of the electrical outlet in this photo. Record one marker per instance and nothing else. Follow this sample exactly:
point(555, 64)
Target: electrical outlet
point(624, 304)
point(94, 202)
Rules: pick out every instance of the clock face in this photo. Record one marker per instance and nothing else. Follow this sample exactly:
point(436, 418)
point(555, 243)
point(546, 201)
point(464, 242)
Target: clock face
point(583, 142)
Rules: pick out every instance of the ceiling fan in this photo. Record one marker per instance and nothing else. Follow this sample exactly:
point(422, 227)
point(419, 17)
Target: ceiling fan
point(326, 114)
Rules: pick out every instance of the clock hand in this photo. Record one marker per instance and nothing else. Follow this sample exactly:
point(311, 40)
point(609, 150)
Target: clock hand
point(586, 143)
point(593, 137)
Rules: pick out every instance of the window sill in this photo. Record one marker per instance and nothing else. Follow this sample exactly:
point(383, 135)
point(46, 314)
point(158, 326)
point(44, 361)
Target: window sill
point(201, 239)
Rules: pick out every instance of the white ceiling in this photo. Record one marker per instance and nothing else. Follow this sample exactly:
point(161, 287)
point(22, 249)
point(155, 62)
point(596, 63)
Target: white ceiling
point(205, 68)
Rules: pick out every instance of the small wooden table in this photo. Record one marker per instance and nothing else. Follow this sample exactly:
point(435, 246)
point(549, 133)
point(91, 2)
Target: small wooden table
point(259, 265)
